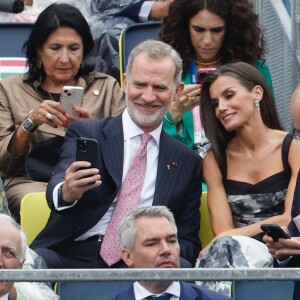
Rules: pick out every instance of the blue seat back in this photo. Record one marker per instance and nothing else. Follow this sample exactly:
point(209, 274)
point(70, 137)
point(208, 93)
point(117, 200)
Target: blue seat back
point(90, 290)
point(263, 290)
point(132, 36)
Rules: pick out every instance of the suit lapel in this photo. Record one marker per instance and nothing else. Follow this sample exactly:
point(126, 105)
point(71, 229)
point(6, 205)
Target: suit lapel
point(187, 293)
point(167, 170)
point(113, 148)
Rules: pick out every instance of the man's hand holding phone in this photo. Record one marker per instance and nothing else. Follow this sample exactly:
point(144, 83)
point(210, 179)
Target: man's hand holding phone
point(83, 174)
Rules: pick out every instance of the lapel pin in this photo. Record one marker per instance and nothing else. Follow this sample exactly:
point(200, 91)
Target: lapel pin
point(173, 164)
point(96, 93)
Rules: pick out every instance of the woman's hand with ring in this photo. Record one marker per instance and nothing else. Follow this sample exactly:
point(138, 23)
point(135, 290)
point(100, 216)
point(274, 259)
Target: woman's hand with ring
point(186, 102)
point(48, 112)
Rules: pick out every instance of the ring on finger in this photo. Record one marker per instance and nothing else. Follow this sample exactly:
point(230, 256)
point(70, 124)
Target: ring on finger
point(188, 99)
point(49, 117)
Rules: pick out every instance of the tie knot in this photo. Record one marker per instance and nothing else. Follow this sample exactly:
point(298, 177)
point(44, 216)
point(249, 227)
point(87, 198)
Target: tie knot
point(162, 297)
point(146, 137)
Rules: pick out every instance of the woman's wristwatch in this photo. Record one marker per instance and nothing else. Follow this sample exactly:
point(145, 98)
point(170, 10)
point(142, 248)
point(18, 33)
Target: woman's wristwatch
point(28, 126)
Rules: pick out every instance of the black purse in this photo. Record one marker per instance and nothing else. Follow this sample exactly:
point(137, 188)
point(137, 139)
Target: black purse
point(42, 158)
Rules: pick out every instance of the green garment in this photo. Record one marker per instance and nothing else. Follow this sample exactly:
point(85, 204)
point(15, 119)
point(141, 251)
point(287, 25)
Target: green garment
point(187, 134)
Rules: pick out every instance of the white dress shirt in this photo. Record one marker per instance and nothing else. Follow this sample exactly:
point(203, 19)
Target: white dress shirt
point(141, 293)
point(132, 141)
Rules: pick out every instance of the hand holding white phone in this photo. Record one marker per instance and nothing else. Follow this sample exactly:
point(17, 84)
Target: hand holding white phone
point(71, 96)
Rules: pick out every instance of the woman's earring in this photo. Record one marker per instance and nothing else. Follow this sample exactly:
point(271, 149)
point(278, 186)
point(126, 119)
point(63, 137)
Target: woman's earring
point(256, 102)
point(82, 64)
point(38, 63)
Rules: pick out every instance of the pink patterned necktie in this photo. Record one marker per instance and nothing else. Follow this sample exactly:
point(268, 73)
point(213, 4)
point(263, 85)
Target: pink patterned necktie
point(128, 198)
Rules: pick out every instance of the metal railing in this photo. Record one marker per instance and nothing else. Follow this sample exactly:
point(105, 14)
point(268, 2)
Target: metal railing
point(59, 275)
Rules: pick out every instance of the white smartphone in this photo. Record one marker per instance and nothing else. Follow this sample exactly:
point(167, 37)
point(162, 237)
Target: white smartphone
point(71, 96)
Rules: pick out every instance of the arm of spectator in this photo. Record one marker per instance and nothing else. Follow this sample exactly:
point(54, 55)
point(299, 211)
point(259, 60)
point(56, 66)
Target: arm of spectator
point(159, 10)
point(144, 11)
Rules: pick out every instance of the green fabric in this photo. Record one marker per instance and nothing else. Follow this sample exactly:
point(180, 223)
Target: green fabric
point(187, 123)
point(264, 70)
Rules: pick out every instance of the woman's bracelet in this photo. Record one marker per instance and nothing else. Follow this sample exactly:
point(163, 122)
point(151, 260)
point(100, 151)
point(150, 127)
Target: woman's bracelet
point(171, 122)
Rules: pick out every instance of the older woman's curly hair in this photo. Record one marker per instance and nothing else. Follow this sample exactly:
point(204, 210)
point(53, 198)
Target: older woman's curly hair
point(243, 41)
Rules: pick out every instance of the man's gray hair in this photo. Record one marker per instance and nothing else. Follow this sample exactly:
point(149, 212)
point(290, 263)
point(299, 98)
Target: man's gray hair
point(9, 220)
point(156, 50)
point(127, 229)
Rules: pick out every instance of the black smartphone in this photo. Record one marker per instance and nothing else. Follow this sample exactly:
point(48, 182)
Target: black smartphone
point(87, 150)
point(202, 73)
point(274, 231)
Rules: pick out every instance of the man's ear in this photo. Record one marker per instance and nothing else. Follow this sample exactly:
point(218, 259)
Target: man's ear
point(127, 257)
point(179, 90)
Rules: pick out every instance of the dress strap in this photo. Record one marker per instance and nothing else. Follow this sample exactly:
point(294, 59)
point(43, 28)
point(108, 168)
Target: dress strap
point(286, 144)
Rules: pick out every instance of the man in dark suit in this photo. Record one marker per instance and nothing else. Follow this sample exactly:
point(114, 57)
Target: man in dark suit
point(148, 238)
point(286, 252)
point(83, 201)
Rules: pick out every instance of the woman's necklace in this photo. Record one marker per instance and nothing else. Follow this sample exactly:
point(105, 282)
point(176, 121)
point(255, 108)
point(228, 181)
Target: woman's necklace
point(50, 96)
point(208, 64)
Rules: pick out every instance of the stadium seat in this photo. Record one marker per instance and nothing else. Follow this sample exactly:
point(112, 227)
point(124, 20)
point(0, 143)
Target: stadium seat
point(34, 214)
point(263, 290)
point(205, 233)
point(133, 35)
point(90, 290)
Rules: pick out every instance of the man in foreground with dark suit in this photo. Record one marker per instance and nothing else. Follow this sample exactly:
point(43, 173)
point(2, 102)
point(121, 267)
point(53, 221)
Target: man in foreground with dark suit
point(88, 203)
point(148, 238)
point(286, 252)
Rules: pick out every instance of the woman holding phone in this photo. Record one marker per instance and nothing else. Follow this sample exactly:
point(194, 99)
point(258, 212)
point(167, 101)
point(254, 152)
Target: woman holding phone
point(32, 117)
point(208, 34)
point(250, 170)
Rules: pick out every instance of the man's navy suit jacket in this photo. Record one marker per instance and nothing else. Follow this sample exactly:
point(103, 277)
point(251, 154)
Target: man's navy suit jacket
point(178, 185)
point(188, 291)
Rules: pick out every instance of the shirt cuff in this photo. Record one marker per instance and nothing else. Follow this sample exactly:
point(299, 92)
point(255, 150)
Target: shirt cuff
point(283, 263)
point(55, 198)
point(145, 11)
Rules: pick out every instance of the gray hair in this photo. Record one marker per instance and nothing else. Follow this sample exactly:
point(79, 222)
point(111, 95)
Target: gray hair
point(9, 220)
point(127, 229)
point(157, 50)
